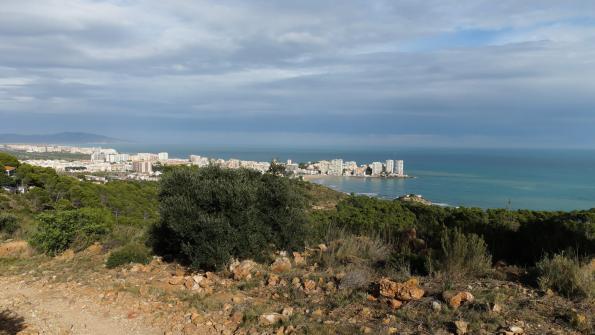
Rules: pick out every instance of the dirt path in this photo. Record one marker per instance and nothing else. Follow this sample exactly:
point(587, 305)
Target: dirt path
point(27, 308)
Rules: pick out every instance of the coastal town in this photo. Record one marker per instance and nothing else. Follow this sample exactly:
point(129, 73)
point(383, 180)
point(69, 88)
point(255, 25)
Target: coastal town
point(102, 164)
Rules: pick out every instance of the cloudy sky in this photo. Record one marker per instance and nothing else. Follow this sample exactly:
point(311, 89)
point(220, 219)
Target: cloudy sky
point(503, 73)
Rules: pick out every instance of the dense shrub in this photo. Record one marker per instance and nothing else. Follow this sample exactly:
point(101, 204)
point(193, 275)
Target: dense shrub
point(79, 228)
point(463, 255)
point(211, 214)
point(130, 253)
point(9, 224)
point(567, 276)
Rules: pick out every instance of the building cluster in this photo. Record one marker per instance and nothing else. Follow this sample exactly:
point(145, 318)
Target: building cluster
point(147, 166)
point(338, 167)
point(42, 148)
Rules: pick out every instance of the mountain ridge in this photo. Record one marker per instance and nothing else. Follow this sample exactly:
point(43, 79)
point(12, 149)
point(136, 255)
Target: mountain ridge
point(59, 138)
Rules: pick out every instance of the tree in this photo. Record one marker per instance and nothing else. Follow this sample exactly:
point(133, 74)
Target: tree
point(210, 215)
point(276, 169)
point(8, 160)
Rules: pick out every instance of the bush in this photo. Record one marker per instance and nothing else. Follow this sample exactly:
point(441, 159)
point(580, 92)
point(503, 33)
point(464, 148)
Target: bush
point(130, 253)
point(79, 228)
point(211, 214)
point(463, 255)
point(345, 248)
point(9, 224)
point(566, 276)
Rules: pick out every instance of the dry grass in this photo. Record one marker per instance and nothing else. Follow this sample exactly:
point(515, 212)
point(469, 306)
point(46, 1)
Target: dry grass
point(567, 276)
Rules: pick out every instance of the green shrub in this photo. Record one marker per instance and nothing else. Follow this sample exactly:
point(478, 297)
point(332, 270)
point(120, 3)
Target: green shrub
point(463, 255)
point(130, 253)
point(79, 228)
point(211, 214)
point(566, 276)
point(9, 224)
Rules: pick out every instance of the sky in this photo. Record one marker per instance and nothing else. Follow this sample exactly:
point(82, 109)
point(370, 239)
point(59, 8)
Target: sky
point(309, 73)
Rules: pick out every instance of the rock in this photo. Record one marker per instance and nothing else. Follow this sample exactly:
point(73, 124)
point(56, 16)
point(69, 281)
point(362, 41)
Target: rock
point(460, 327)
point(406, 291)
point(366, 330)
point(496, 308)
point(281, 264)
point(280, 331)
point(273, 280)
point(309, 286)
point(296, 282)
point(366, 312)
point(516, 330)
point(188, 283)
point(318, 313)
point(242, 270)
point(455, 299)
point(391, 330)
point(287, 311)
point(330, 287)
point(395, 304)
point(298, 259)
point(176, 280)
point(237, 317)
point(436, 306)
point(322, 247)
point(371, 298)
point(270, 318)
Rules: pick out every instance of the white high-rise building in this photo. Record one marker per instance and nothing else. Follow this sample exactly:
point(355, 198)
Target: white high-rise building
point(390, 166)
point(400, 170)
point(163, 156)
point(142, 167)
point(376, 168)
point(336, 167)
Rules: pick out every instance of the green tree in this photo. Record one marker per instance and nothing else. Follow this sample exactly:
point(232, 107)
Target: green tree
point(212, 214)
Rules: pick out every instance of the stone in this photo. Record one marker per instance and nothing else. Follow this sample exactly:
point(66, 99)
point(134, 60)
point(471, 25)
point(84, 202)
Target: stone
point(516, 330)
point(496, 308)
point(461, 327)
point(309, 286)
point(287, 311)
point(270, 318)
point(436, 306)
point(322, 247)
point(273, 280)
point(298, 259)
point(280, 331)
point(66, 255)
point(371, 298)
point(455, 299)
point(406, 291)
point(296, 282)
point(318, 313)
point(237, 317)
point(188, 283)
point(281, 264)
point(366, 330)
point(391, 330)
point(176, 280)
point(395, 304)
point(242, 270)
point(366, 312)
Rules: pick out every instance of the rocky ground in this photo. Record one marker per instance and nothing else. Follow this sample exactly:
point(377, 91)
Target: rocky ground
point(76, 294)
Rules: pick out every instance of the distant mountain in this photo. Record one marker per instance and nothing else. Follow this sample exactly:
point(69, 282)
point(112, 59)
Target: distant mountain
point(59, 138)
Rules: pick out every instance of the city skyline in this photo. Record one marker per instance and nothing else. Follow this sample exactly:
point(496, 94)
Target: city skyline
point(308, 74)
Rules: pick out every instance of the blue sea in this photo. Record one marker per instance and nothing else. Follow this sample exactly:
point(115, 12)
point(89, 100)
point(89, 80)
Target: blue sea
point(486, 178)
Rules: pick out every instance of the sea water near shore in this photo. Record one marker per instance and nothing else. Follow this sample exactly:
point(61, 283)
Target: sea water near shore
point(488, 178)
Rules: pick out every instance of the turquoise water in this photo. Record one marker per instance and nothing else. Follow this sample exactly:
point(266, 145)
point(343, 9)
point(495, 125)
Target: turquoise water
point(490, 178)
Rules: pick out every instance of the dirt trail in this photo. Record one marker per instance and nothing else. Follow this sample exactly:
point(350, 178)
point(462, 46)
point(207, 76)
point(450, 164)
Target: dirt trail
point(34, 309)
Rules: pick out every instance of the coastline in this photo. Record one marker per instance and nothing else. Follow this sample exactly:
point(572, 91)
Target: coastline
point(320, 176)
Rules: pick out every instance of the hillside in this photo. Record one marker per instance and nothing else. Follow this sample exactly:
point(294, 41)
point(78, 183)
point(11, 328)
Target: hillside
point(219, 251)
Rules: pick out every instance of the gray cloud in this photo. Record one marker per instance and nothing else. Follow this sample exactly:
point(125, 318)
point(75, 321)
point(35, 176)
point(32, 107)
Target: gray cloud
point(395, 72)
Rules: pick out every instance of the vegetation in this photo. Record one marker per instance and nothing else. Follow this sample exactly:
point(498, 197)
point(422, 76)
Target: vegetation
point(211, 215)
point(78, 228)
point(9, 224)
point(567, 276)
point(130, 253)
point(464, 255)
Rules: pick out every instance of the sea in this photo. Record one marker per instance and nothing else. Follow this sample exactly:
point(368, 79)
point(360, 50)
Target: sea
point(539, 179)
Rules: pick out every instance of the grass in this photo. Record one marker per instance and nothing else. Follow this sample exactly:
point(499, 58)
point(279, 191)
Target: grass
point(567, 276)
